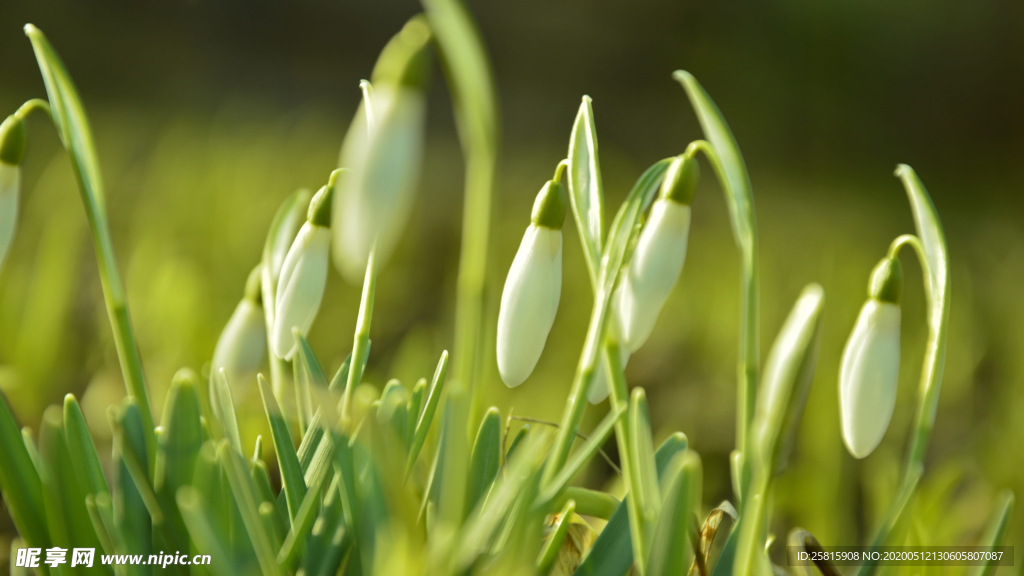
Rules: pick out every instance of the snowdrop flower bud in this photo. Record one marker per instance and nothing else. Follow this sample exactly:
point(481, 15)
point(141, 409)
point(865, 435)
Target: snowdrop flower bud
point(532, 289)
point(304, 274)
point(659, 255)
point(870, 366)
point(383, 150)
point(243, 342)
point(12, 150)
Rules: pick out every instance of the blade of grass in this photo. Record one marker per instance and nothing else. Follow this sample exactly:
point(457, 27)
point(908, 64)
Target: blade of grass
point(427, 416)
point(224, 409)
point(583, 454)
point(206, 539)
point(245, 497)
point(73, 128)
point(553, 544)
point(83, 452)
point(474, 98)
point(484, 460)
point(672, 543)
point(132, 514)
point(292, 482)
point(20, 483)
point(586, 193)
point(995, 532)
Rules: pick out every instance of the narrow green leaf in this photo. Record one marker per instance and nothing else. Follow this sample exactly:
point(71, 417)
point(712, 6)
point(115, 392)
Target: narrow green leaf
point(517, 441)
point(245, 496)
point(642, 448)
point(672, 543)
point(301, 526)
point(310, 363)
point(586, 194)
point(936, 254)
point(272, 523)
point(318, 542)
point(131, 512)
point(83, 452)
point(224, 409)
point(178, 448)
point(103, 523)
point(474, 98)
point(583, 455)
point(484, 460)
point(206, 539)
point(786, 380)
point(392, 413)
point(554, 541)
point(292, 481)
point(588, 502)
point(20, 483)
point(423, 424)
point(612, 553)
point(419, 394)
point(995, 532)
point(72, 125)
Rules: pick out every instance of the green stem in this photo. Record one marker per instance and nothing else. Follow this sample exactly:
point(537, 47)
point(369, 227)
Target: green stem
point(31, 106)
point(748, 359)
point(931, 369)
point(362, 335)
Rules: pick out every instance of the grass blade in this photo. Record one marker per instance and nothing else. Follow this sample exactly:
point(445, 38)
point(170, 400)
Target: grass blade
point(554, 541)
point(292, 482)
point(245, 497)
point(672, 543)
point(83, 452)
point(20, 483)
point(586, 193)
point(131, 512)
point(583, 455)
point(484, 460)
point(612, 553)
point(995, 532)
point(427, 416)
point(73, 128)
point(224, 409)
point(205, 537)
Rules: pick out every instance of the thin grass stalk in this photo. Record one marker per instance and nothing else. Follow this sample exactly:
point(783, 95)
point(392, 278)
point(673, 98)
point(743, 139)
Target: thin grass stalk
point(361, 340)
point(471, 81)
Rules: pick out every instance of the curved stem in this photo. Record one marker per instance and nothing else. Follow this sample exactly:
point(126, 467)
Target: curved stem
point(748, 360)
point(31, 106)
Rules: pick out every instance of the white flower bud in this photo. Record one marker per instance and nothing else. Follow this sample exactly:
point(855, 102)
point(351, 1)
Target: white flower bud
point(868, 376)
point(243, 341)
point(10, 183)
point(529, 303)
point(383, 159)
point(300, 287)
point(653, 271)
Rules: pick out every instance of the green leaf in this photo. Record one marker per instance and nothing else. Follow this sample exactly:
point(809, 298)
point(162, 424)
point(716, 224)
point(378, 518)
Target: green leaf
point(224, 409)
point(131, 512)
point(582, 455)
point(612, 553)
point(292, 482)
point(391, 415)
point(517, 441)
point(484, 460)
point(786, 380)
point(995, 532)
point(936, 255)
point(20, 483)
point(586, 193)
point(83, 452)
point(731, 171)
point(427, 416)
point(644, 484)
point(245, 496)
point(178, 448)
point(554, 541)
point(419, 394)
point(73, 128)
point(206, 539)
point(672, 543)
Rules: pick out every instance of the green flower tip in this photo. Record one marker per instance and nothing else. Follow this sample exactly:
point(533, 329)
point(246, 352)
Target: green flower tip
point(254, 285)
point(320, 206)
point(12, 141)
point(681, 179)
point(405, 60)
point(886, 284)
point(549, 207)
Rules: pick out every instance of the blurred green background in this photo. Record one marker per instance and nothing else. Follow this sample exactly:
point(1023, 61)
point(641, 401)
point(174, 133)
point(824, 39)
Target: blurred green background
point(208, 113)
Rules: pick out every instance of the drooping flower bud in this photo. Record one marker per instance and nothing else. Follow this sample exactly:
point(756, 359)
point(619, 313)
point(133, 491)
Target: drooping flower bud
point(304, 274)
point(532, 290)
point(383, 150)
point(12, 150)
point(659, 255)
point(243, 342)
point(870, 367)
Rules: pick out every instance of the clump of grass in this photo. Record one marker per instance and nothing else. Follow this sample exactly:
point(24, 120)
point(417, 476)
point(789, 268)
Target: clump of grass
point(420, 480)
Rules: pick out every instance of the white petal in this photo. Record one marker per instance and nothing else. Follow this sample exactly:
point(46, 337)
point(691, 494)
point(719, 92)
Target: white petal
point(10, 182)
point(653, 271)
point(242, 344)
point(868, 377)
point(375, 195)
point(300, 288)
point(529, 303)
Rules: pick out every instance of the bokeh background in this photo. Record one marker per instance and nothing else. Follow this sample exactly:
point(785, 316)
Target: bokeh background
point(208, 113)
